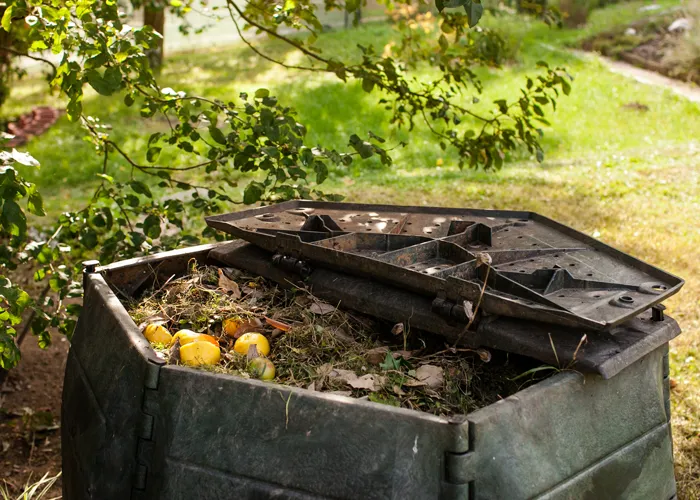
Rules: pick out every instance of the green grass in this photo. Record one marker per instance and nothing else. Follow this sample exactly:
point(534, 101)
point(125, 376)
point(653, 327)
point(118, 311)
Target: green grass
point(629, 177)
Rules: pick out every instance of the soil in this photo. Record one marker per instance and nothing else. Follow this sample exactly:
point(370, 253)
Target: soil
point(30, 410)
point(644, 44)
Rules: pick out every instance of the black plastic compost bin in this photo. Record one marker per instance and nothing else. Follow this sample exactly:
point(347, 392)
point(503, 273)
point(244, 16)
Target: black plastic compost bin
point(134, 427)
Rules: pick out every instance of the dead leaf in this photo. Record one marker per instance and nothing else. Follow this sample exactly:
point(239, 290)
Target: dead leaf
point(252, 293)
point(483, 258)
point(370, 382)
point(302, 300)
point(468, 309)
point(311, 386)
point(398, 391)
point(322, 308)
point(228, 285)
point(278, 324)
point(249, 325)
point(152, 320)
point(175, 353)
point(484, 355)
point(5, 446)
point(341, 374)
point(397, 329)
point(324, 370)
point(252, 352)
point(427, 375)
point(343, 336)
point(276, 333)
point(376, 355)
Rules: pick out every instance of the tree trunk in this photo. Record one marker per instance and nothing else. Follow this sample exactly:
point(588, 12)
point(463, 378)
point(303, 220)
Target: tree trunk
point(5, 62)
point(155, 17)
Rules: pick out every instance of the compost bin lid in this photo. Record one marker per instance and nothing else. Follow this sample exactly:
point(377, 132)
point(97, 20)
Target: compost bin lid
point(534, 267)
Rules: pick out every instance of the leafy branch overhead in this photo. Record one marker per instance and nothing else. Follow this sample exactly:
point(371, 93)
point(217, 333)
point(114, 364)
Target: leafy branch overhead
point(256, 134)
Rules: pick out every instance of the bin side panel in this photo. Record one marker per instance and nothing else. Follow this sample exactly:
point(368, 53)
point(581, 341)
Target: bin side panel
point(532, 441)
point(190, 481)
point(102, 398)
point(641, 470)
point(311, 443)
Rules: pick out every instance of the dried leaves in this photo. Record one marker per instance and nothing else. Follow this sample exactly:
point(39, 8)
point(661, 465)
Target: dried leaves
point(228, 285)
point(278, 324)
point(427, 375)
point(321, 308)
point(482, 258)
point(246, 326)
point(369, 381)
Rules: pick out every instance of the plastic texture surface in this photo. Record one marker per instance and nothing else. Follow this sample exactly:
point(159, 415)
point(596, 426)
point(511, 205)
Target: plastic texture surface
point(541, 270)
point(135, 429)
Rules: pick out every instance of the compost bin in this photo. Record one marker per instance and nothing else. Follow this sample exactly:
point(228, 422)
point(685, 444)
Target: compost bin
point(135, 426)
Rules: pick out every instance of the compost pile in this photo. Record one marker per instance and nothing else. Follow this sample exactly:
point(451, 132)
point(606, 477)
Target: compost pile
point(223, 320)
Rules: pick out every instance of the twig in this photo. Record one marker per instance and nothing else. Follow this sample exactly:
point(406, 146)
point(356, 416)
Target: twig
point(23, 54)
point(554, 349)
point(476, 309)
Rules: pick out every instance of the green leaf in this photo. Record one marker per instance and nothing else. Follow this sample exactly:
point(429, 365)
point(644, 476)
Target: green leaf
point(35, 204)
point(217, 134)
point(260, 93)
point(367, 84)
point(502, 105)
point(442, 41)
point(7, 18)
point(24, 158)
point(106, 84)
point(88, 237)
point(75, 107)
point(364, 148)
point(474, 12)
point(153, 153)
point(140, 188)
point(565, 87)
point(253, 192)
point(13, 219)
point(151, 226)
point(439, 5)
point(321, 172)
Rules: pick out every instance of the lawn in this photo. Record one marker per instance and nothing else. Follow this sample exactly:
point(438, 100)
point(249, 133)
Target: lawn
point(626, 176)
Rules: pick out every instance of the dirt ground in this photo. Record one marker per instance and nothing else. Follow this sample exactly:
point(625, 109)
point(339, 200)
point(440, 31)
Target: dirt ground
point(30, 410)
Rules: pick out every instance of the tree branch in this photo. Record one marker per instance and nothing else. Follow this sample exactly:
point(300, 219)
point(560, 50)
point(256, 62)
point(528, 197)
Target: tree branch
point(23, 54)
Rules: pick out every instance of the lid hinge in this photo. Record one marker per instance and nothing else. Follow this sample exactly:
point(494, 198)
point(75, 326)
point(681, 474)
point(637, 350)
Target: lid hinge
point(459, 476)
point(146, 429)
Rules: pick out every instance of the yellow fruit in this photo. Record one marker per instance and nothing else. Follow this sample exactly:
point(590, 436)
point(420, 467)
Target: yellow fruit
point(200, 353)
point(188, 336)
point(262, 368)
point(248, 339)
point(157, 334)
point(230, 325)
